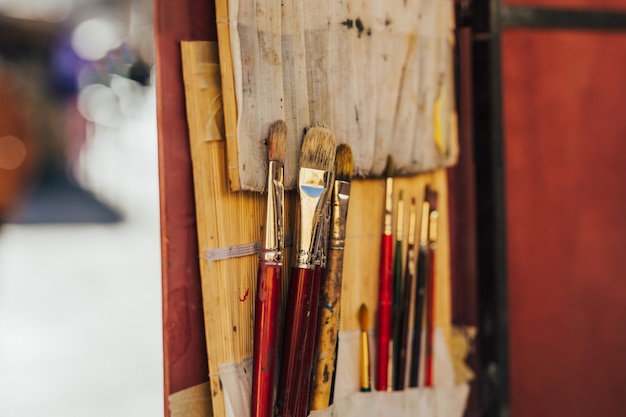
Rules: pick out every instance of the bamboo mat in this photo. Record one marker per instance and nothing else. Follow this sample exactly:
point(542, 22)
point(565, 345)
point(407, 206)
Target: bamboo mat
point(227, 219)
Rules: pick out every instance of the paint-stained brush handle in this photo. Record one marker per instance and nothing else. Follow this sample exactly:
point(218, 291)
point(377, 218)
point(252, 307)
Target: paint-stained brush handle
point(296, 322)
point(385, 300)
point(266, 323)
point(330, 307)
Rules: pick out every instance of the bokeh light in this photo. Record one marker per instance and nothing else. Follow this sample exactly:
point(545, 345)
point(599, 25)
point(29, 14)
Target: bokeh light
point(12, 152)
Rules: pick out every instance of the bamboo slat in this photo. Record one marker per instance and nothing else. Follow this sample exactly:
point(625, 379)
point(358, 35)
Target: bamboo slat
point(228, 95)
point(224, 219)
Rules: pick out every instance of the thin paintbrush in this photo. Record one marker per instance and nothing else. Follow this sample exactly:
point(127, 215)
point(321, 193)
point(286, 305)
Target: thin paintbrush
point(331, 298)
point(420, 293)
point(385, 289)
point(268, 296)
point(315, 180)
point(408, 293)
point(365, 350)
point(397, 288)
point(430, 303)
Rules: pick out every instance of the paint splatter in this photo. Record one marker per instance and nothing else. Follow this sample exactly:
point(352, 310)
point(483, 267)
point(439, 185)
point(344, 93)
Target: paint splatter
point(245, 295)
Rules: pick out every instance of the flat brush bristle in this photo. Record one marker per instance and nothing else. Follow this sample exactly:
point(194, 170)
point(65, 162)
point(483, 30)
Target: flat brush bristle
point(343, 162)
point(318, 149)
point(363, 317)
point(389, 167)
point(276, 142)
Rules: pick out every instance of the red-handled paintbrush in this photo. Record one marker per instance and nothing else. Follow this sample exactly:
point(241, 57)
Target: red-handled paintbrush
point(268, 298)
point(315, 181)
point(430, 303)
point(385, 289)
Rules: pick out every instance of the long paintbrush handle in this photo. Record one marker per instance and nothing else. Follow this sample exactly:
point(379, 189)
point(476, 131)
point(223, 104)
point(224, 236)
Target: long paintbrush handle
point(266, 324)
point(416, 348)
point(396, 314)
point(385, 300)
point(430, 323)
point(409, 283)
point(296, 322)
point(309, 342)
point(328, 331)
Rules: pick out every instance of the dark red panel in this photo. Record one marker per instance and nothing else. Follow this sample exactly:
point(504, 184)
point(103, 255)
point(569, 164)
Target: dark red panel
point(587, 4)
point(185, 357)
point(565, 139)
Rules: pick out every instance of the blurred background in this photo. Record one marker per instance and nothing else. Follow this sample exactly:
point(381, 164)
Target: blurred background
point(80, 284)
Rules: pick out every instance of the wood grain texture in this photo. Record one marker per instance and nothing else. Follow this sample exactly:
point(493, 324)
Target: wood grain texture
point(564, 107)
point(228, 92)
point(223, 219)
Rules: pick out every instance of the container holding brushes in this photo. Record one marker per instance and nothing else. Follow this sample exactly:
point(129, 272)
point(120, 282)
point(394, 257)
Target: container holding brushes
point(284, 333)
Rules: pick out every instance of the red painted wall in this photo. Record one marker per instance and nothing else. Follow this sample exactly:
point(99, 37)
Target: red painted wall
point(565, 147)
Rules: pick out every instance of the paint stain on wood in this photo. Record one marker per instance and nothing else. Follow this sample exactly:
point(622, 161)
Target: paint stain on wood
point(245, 295)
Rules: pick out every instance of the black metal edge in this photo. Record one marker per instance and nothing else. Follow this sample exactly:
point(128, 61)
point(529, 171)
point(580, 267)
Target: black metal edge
point(490, 185)
point(561, 18)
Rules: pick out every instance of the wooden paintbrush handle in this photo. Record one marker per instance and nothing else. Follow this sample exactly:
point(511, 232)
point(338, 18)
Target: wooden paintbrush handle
point(416, 347)
point(385, 300)
point(430, 323)
point(309, 342)
point(266, 324)
point(298, 308)
point(324, 365)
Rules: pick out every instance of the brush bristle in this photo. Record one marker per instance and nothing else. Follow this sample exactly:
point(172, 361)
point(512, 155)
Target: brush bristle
point(389, 167)
point(276, 142)
point(343, 162)
point(363, 317)
point(318, 149)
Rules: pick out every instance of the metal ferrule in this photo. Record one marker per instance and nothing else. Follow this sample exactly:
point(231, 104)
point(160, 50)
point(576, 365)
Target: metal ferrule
point(424, 224)
point(314, 186)
point(400, 221)
point(321, 237)
point(433, 229)
point(274, 227)
point(412, 216)
point(341, 198)
point(388, 205)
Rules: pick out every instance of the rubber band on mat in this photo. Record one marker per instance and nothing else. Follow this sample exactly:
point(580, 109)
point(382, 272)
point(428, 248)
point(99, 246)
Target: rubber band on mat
point(238, 251)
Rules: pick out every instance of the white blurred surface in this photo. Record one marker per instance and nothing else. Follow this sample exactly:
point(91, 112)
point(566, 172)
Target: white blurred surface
point(80, 305)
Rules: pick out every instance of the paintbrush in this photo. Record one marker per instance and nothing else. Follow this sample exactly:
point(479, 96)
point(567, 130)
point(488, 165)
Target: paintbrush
point(397, 288)
point(315, 181)
point(430, 302)
point(409, 285)
point(331, 298)
point(365, 350)
point(420, 292)
point(385, 289)
point(269, 278)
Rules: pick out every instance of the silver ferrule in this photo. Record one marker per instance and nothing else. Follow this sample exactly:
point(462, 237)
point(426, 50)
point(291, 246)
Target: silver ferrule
point(412, 219)
point(314, 186)
point(274, 227)
point(433, 229)
point(424, 224)
point(340, 200)
point(388, 230)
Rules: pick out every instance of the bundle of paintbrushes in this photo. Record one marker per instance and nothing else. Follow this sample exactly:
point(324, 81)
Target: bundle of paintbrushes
point(411, 292)
point(321, 211)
